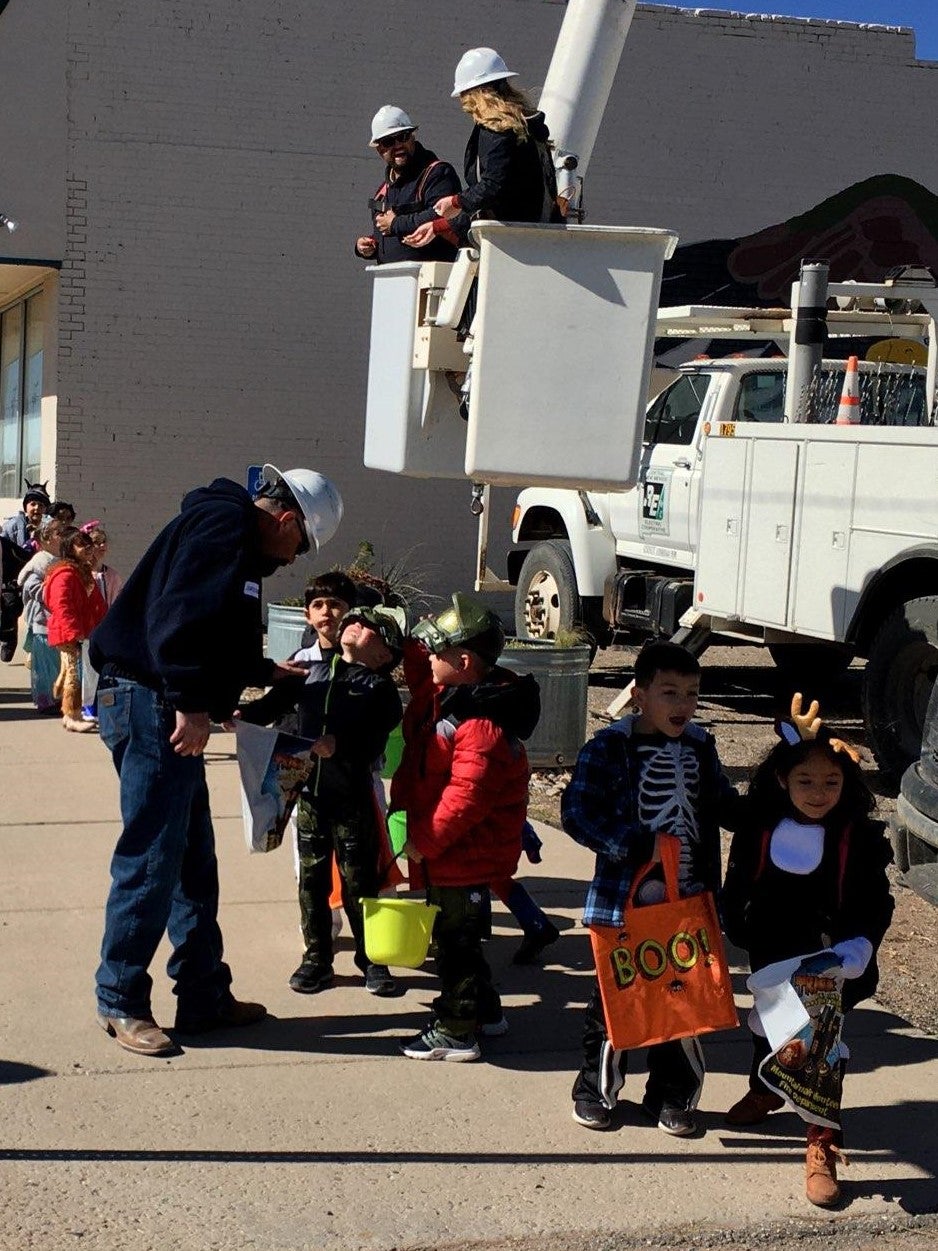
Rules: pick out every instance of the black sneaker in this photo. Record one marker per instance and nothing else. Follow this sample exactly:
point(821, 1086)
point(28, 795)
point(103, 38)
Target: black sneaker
point(592, 1115)
point(309, 979)
point(378, 981)
point(7, 651)
point(680, 1122)
point(494, 1029)
point(435, 1044)
point(534, 943)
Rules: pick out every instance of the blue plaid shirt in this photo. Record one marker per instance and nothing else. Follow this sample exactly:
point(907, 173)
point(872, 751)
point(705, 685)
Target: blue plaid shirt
point(599, 809)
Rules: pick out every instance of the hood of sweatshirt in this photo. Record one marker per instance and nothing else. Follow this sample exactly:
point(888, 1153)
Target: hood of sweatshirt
point(220, 489)
point(512, 701)
point(537, 127)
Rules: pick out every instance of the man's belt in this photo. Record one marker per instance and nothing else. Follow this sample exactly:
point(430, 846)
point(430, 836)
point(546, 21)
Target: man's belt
point(111, 670)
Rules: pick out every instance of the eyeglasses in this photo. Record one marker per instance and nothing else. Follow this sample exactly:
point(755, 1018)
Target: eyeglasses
point(99, 542)
point(391, 141)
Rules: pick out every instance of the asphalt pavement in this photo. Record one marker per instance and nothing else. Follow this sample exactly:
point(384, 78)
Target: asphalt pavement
point(310, 1130)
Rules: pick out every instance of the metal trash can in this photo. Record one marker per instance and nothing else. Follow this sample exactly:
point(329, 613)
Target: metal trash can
point(562, 673)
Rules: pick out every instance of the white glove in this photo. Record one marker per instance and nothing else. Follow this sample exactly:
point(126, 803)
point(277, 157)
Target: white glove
point(856, 954)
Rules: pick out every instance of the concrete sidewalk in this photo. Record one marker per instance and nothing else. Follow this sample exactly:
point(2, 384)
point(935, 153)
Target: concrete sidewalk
point(309, 1130)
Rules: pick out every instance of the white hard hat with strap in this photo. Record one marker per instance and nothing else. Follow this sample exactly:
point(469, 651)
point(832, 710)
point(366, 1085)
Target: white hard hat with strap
point(478, 66)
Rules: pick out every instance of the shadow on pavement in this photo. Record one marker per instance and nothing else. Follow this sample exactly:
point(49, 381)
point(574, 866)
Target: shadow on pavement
point(12, 1072)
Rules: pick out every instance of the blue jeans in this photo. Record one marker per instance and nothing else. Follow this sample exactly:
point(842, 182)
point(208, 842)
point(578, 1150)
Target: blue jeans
point(164, 874)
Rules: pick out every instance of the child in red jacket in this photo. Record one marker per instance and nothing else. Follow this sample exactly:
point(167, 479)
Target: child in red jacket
point(75, 606)
point(463, 782)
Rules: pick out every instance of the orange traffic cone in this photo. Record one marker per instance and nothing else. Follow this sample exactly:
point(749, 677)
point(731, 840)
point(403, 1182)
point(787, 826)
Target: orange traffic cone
point(848, 411)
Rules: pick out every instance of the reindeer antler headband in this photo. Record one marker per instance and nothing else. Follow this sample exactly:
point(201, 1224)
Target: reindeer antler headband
point(806, 726)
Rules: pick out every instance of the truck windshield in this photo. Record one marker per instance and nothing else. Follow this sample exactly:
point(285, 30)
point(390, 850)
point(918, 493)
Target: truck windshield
point(672, 417)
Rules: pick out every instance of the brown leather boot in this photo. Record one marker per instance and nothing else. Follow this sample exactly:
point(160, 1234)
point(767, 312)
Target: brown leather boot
point(754, 1107)
point(821, 1185)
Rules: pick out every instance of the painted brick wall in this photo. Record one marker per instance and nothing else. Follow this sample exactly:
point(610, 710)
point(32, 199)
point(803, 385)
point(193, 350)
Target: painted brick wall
point(213, 314)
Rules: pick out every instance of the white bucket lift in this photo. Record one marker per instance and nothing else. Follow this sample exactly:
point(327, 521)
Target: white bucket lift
point(561, 349)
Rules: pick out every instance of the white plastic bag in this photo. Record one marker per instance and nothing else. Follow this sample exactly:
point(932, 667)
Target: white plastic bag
point(274, 768)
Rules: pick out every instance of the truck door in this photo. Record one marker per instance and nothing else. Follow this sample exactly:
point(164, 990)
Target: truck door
point(664, 499)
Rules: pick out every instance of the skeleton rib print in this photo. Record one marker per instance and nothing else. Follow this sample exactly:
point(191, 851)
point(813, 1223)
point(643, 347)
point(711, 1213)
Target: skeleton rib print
point(668, 797)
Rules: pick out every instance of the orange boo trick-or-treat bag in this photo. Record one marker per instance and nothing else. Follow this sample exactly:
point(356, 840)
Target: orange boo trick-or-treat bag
point(662, 972)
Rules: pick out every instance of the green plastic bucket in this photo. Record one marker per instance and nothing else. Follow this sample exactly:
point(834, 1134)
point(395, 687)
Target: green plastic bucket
point(398, 931)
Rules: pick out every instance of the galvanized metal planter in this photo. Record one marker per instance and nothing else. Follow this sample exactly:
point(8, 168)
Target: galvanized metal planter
point(563, 676)
point(286, 624)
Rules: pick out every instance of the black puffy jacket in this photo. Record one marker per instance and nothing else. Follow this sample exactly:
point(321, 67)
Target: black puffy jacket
point(412, 195)
point(509, 179)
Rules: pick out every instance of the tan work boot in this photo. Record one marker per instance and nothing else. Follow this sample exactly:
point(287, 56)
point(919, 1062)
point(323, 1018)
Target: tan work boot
point(821, 1185)
point(754, 1107)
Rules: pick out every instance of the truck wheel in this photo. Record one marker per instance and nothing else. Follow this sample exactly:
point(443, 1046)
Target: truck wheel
point(547, 598)
point(811, 666)
point(900, 674)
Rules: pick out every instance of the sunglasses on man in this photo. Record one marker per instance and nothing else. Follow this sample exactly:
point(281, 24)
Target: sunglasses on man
point(392, 141)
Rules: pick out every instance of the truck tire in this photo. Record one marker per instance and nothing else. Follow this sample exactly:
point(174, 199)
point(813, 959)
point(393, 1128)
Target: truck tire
point(547, 598)
point(811, 666)
point(900, 674)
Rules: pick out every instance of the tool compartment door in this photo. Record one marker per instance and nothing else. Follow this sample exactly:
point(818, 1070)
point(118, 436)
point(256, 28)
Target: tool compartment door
point(721, 526)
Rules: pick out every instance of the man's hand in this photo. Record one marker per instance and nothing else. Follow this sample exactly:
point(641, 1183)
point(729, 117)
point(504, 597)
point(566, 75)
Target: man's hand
point(411, 852)
point(448, 207)
point(383, 221)
point(324, 747)
point(365, 246)
point(287, 669)
point(420, 237)
point(191, 733)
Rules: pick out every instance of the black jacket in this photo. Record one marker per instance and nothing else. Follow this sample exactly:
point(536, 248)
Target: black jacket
point(775, 915)
point(507, 179)
point(355, 704)
point(188, 619)
point(412, 197)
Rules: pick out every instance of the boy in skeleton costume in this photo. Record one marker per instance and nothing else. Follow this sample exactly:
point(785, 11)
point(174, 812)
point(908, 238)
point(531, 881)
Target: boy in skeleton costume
point(653, 774)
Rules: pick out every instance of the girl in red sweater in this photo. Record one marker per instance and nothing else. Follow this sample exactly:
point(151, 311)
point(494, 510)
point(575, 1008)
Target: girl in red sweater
point(75, 607)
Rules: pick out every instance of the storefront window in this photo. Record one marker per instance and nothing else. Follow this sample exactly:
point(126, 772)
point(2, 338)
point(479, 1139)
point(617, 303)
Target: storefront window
point(21, 334)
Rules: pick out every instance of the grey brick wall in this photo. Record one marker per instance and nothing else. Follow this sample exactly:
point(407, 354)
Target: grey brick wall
point(212, 312)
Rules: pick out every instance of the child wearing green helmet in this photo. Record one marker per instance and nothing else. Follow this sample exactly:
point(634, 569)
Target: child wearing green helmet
point(463, 782)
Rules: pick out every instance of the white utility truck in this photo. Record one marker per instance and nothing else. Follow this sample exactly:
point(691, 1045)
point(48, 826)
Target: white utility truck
point(817, 539)
point(708, 514)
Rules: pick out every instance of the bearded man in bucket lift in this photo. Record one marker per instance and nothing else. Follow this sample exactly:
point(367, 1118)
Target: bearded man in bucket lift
point(414, 180)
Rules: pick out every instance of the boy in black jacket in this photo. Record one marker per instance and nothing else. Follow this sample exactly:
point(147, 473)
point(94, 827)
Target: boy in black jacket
point(349, 705)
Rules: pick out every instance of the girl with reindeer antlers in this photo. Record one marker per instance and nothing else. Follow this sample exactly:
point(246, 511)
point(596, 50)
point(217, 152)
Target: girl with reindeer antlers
point(807, 875)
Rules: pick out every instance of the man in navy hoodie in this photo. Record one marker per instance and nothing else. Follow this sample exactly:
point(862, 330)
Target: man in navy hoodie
point(175, 651)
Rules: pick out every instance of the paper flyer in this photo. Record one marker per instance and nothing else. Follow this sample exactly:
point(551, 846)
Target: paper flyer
point(274, 767)
point(801, 1015)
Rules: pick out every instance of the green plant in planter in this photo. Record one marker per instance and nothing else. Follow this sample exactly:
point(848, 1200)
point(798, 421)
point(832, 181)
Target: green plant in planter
point(575, 637)
point(399, 583)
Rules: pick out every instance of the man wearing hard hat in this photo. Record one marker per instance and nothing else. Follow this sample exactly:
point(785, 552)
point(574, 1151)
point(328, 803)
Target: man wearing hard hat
point(175, 651)
point(414, 180)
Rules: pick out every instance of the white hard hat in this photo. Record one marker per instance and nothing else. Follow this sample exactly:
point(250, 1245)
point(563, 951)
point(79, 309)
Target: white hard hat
point(478, 66)
point(389, 120)
point(318, 498)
